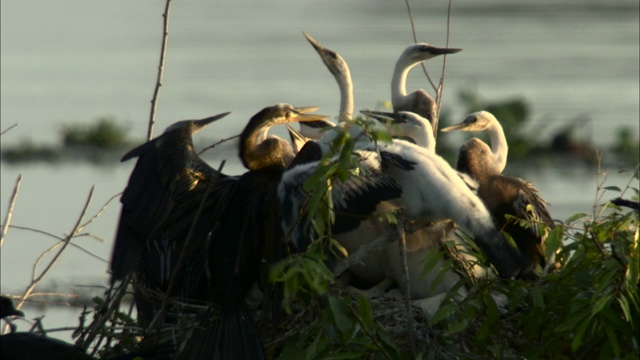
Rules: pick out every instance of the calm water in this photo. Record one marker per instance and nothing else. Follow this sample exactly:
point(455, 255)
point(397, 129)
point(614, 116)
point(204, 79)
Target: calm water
point(73, 61)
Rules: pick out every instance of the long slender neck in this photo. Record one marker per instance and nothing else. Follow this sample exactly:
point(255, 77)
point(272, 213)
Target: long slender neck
point(399, 79)
point(474, 159)
point(346, 96)
point(256, 149)
point(499, 146)
point(427, 141)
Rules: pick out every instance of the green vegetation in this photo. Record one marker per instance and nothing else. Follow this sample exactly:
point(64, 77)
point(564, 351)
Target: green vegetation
point(28, 151)
point(570, 141)
point(103, 134)
point(101, 142)
point(588, 308)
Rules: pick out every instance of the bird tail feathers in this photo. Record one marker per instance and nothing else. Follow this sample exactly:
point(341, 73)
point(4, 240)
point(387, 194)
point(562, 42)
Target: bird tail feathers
point(234, 337)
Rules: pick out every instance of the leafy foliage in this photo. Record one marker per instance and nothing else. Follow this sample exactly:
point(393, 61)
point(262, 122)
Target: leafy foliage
point(105, 133)
point(588, 307)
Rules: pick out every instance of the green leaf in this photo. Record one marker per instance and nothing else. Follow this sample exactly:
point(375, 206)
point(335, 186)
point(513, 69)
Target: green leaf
point(553, 242)
point(458, 326)
point(600, 304)
point(577, 338)
point(612, 188)
point(443, 312)
point(537, 298)
point(613, 341)
point(365, 311)
point(576, 217)
point(340, 314)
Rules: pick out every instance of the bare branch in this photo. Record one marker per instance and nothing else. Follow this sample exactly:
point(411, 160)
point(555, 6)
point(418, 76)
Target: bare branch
point(163, 55)
point(362, 252)
point(7, 129)
point(440, 89)
point(97, 214)
point(415, 40)
point(112, 303)
point(405, 279)
point(62, 239)
point(12, 204)
point(187, 250)
point(218, 143)
point(64, 243)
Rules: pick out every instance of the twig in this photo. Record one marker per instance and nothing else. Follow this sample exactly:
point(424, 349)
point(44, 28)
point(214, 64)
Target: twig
point(405, 279)
point(369, 333)
point(218, 143)
point(61, 239)
point(373, 246)
point(362, 252)
point(7, 129)
point(440, 88)
point(187, 250)
point(12, 204)
point(99, 212)
point(415, 40)
point(65, 242)
point(163, 55)
point(112, 304)
point(53, 294)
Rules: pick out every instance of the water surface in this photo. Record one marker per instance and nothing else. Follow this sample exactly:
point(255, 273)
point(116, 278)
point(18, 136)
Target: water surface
point(72, 61)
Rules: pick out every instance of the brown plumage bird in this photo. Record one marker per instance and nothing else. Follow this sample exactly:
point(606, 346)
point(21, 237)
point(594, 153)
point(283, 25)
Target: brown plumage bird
point(505, 196)
point(168, 187)
point(419, 101)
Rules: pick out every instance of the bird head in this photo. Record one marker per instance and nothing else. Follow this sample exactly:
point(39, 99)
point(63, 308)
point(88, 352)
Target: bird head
point(477, 121)
point(421, 52)
point(406, 125)
point(8, 309)
point(332, 60)
point(194, 125)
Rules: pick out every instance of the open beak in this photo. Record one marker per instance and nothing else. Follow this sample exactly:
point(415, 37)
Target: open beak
point(381, 116)
point(295, 135)
point(297, 140)
point(302, 114)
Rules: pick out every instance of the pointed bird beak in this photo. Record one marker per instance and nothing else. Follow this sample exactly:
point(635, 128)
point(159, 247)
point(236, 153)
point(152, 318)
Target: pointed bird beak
point(297, 140)
point(295, 135)
point(313, 43)
point(199, 124)
point(17, 313)
point(381, 116)
point(459, 126)
point(302, 115)
point(319, 124)
point(441, 51)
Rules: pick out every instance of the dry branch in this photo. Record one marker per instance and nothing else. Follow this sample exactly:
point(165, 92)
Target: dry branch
point(12, 203)
point(7, 129)
point(65, 243)
point(163, 55)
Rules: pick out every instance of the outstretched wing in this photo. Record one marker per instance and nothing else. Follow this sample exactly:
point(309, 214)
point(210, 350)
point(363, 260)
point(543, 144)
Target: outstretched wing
point(354, 199)
point(163, 194)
